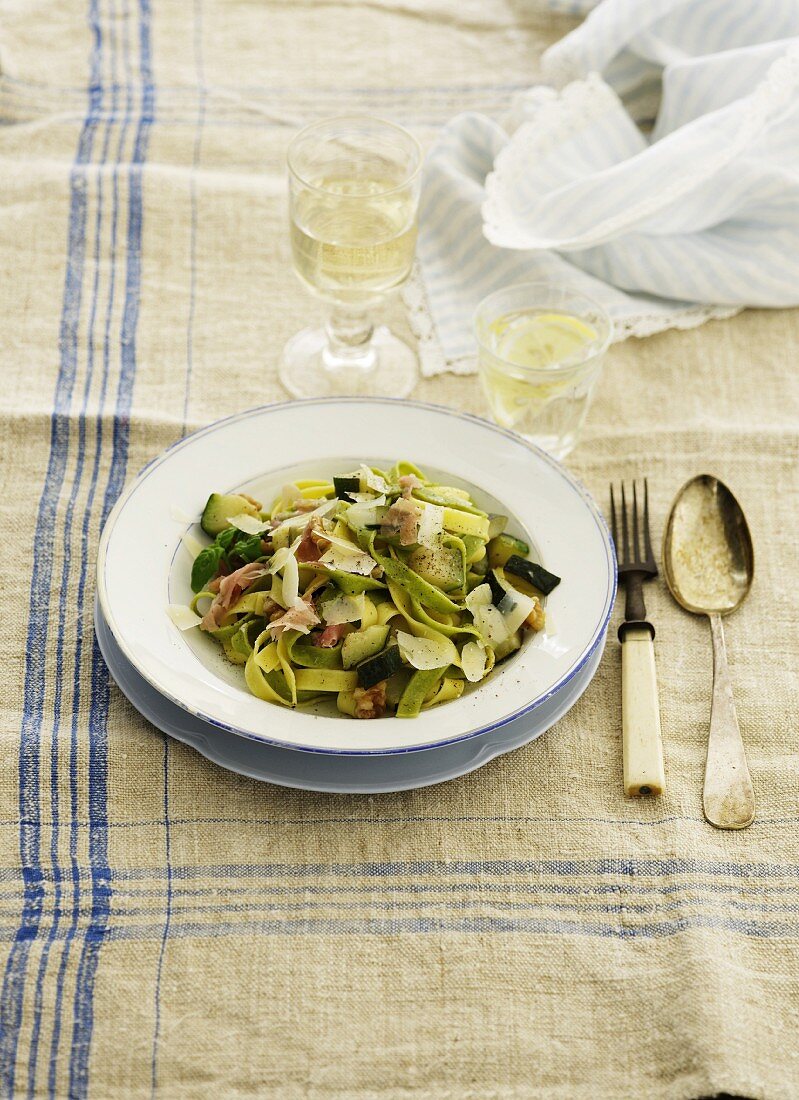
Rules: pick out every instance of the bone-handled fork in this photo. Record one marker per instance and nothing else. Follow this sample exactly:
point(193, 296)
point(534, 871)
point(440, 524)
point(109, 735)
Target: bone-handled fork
point(641, 740)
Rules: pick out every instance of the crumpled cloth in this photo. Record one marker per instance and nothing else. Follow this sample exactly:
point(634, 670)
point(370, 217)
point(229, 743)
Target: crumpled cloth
point(657, 171)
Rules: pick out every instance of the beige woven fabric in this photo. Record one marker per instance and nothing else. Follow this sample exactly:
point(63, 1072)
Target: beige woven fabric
point(172, 929)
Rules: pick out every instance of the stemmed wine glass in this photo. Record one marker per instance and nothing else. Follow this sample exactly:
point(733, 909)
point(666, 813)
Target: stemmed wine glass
point(353, 202)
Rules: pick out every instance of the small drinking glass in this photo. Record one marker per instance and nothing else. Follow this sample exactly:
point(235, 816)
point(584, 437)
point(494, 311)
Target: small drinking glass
point(353, 201)
point(540, 351)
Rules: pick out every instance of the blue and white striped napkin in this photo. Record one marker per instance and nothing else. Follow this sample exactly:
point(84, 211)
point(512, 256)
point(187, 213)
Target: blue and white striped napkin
point(657, 171)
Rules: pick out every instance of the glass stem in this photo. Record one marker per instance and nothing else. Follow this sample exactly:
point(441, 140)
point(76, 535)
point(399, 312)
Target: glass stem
point(349, 334)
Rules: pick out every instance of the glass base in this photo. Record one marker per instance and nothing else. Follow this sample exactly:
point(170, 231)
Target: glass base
point(309, 369)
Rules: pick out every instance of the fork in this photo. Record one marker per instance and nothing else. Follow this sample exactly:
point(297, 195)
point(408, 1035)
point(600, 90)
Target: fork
point(641, 740)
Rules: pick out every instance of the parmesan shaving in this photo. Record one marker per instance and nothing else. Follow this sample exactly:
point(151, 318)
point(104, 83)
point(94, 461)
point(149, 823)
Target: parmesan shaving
point(344, 609)
point(346, 545)
point(431, 524)
point(291, 581)
point(302, 518)
point(491, 625)
point(279, 559)
point(372, 480)
point(250, 525)
point(488, 621)
point(183, 617)
point(348, 560)
point(478, 597)
point(179, 516)
point(427, 653)
point(193, 545)
point(473, 661)
point(519, 610)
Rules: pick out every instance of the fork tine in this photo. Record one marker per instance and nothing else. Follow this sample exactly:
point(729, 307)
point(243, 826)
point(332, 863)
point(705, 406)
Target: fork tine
point(613, 527)
point(647, 540)
point(636, 541)
point(625, 538)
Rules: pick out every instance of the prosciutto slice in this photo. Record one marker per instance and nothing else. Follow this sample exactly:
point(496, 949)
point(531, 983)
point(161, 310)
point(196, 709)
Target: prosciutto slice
point(402, 518)
point(332, 635)
point(409, 482)
point(300, 616)
point(308, 550)
point(228, 590)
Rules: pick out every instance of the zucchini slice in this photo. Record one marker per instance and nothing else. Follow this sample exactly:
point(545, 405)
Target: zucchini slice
point(501, 547)
point(380, 667)
point(220, 507)
point(533, 573)
point(362, 644)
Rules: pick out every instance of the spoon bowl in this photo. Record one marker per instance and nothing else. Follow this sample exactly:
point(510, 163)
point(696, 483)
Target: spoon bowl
point(708, 562)
point(708, 557)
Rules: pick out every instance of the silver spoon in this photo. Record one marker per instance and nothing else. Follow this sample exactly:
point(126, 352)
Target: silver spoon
point(708, 563)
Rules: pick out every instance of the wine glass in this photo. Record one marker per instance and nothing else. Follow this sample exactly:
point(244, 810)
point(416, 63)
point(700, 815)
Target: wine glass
point(353, 201)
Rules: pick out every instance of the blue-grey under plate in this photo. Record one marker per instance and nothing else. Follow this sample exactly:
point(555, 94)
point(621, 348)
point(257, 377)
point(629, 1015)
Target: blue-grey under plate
point(373, 774)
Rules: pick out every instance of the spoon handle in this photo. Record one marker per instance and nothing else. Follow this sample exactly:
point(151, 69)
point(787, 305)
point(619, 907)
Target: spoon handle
point(728, 797)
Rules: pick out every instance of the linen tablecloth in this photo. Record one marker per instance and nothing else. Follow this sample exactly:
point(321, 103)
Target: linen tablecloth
point(172, 929)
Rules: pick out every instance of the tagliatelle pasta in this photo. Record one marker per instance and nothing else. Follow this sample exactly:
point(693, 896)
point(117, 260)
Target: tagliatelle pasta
point(387, 590)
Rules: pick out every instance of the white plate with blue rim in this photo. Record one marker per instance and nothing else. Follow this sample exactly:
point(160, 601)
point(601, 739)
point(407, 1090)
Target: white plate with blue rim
point(370, 773)
point(144, 563)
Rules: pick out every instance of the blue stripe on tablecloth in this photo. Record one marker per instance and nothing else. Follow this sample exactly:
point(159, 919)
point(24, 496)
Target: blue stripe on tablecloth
point(575, 868)
point(60, 645)
point(705, 889)
point(578, 869)
point(616, 902)
point(425, 925)
point(85, 542)
point(11, 999)
point(83, 1015)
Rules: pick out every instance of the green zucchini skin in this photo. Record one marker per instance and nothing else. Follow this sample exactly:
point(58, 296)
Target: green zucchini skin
point(363, 644)
point(533, 573)
point(219, 507)
point(349, 483)
point(380, 667)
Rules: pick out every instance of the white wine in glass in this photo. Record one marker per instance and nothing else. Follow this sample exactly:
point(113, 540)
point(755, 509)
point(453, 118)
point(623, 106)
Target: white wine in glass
point(354, 194)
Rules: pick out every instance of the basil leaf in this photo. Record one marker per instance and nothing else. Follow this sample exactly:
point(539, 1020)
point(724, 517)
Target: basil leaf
point(226, 538)
point(205, 566)
point(249, 549)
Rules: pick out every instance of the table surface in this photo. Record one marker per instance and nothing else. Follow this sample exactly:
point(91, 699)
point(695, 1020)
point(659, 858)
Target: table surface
point(168, 927)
